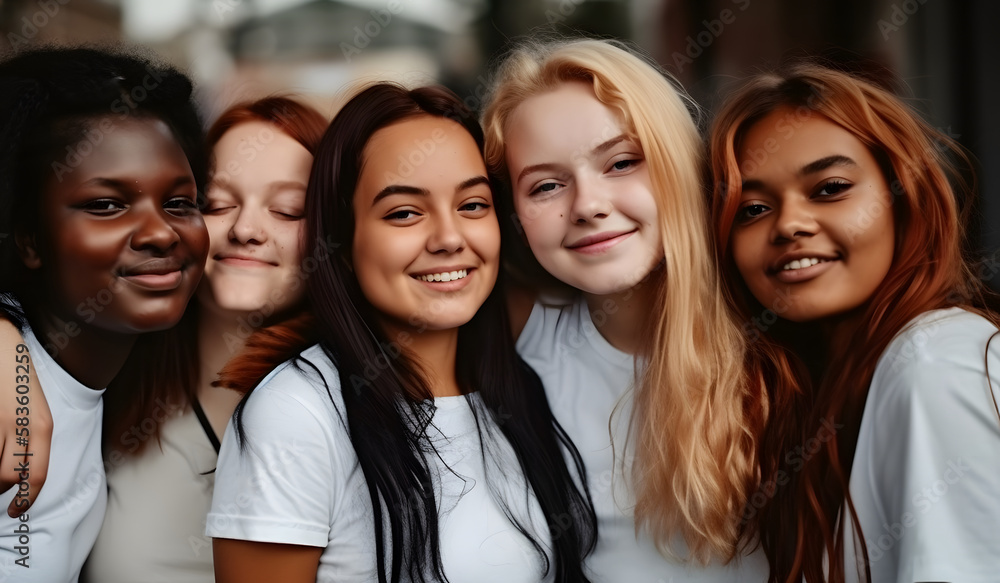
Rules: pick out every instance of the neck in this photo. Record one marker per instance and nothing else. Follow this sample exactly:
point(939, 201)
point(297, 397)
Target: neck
point(622, 316)
point(90, 355)
point(435, 352)
point(222, 334)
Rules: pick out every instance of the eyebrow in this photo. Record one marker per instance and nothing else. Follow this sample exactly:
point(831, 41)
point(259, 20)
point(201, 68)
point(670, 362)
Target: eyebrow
point(597, 150)
point(405, 189)
point(126, 185)
point(810, 168)
point(824, 163)
point(280, 185)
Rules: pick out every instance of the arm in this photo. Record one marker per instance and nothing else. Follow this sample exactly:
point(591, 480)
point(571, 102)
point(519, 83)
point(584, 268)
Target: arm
point(282, 493)
point(240, 561)
point(24, 416)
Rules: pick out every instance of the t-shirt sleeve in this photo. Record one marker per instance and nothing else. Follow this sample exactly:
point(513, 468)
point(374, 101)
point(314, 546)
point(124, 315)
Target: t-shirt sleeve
point(936, 458)
point(283, 486)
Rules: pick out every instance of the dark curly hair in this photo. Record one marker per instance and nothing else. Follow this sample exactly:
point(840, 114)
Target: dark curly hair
point(56, 103)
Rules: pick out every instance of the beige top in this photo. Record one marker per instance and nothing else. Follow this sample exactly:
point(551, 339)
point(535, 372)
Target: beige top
point(154, 528)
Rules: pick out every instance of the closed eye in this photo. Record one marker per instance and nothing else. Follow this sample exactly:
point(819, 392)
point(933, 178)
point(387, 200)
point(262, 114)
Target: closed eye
point(287, 216)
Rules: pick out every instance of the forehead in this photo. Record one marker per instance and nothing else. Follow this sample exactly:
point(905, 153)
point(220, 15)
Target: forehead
point(111, 146)
point(569, 116)
point(787, 139)
point(423, 148)
point(257, 152)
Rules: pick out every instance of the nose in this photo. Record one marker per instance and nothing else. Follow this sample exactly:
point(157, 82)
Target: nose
point(446, 235)
point(590, 201)
point(794, 219)
point(153, 230)
point(248, 227)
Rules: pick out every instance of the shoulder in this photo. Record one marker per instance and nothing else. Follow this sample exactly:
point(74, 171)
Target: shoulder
point(305, 388)
point(940, 337)
point(549, 319)
point(942, 358)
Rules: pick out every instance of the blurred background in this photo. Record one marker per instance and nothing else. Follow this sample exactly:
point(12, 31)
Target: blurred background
point(945, 52)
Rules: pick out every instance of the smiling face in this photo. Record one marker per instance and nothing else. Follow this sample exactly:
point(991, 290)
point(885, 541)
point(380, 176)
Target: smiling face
point(426, 241)
point(254, 217)
point(121, 245)
point(582, 191)
point(814, 235)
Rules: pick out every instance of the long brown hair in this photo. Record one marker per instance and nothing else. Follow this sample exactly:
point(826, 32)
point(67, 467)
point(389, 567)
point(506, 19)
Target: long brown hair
point(160, 378)
point(803, 525)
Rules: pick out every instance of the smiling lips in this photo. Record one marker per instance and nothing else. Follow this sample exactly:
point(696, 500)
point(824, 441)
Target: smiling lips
point(802, 268)
point(237, 260)
point(599, 243)
point(163, 274)
point(445, 278)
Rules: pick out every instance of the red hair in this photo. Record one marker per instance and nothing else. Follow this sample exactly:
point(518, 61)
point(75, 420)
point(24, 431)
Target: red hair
point(801, 526)
point(268, 347)
point(301, 122)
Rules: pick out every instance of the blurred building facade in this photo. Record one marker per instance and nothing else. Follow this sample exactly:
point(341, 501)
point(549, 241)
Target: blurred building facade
point(941, 50)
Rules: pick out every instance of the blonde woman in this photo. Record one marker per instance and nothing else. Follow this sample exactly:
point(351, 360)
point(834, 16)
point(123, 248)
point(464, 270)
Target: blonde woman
point(604, 163)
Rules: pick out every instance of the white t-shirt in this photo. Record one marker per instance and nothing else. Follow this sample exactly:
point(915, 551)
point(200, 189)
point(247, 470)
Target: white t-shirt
point(926, 474)
point(585, 379)
point(63, 522)
point(154, 527)
point(299, 482)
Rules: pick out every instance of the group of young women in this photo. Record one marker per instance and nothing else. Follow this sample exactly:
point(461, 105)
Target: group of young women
point(532, 350)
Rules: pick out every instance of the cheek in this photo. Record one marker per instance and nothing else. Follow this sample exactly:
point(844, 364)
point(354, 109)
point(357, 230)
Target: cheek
point(218, 230)
point(194, 233)
point(746, 254)
point(90, 244)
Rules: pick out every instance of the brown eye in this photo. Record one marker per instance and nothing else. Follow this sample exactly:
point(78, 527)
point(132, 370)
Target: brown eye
point(750, 212)
point(102, 207)
point(833, 187)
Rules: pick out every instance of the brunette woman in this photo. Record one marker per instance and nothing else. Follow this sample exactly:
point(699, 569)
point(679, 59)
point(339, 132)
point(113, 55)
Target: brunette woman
point(411, 443)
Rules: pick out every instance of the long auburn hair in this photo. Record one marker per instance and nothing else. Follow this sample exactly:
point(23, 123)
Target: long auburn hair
point(802, 526)
point(695, 414)
point(386, 413)
point(161, 375)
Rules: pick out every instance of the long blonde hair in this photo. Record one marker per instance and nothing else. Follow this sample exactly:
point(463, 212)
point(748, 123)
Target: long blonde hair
point(694, 421)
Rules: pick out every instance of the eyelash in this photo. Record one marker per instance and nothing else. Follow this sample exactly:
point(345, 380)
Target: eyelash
point(630, 161)
point(838, 183)
point(743, 217)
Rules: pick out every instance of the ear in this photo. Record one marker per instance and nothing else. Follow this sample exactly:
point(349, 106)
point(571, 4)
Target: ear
point(28, 250)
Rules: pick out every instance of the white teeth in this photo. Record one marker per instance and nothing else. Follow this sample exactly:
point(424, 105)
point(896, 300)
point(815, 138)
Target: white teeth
point(800, 263)
point(444, 276)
